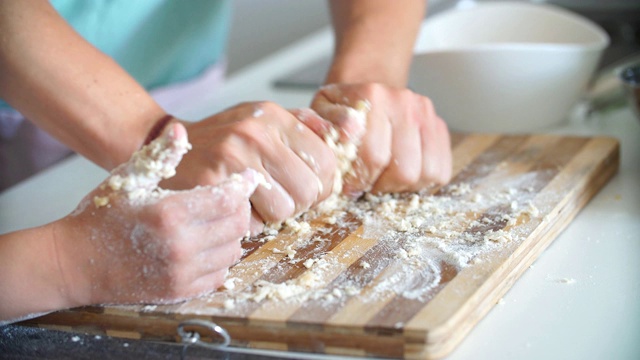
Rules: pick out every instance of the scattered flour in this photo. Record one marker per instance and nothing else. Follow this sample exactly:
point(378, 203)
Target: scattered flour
point(421, 239)
point(424, 239)
point(346, 152)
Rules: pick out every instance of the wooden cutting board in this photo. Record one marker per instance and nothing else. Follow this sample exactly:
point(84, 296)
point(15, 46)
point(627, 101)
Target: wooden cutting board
point(406, 277)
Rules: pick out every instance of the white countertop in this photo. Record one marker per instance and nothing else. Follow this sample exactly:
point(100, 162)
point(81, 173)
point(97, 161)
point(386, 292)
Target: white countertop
point(541, 317)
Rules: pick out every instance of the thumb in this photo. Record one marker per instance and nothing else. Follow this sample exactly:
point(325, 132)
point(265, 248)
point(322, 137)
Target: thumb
point(158, 160)
point(350, 120)
point(212, 202)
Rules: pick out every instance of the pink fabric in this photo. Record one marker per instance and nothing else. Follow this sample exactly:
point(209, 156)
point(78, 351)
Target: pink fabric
point(176, 98)
point(25, 149)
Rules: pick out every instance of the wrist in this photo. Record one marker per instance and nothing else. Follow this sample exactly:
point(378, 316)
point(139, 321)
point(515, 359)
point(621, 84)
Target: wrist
point(29, 274)
point(358, 68)
point(72, 266)
point(157, 128)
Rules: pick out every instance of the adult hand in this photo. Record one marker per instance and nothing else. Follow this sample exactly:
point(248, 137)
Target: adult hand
point(263, 136)
point(129, 242)
point(405, 145)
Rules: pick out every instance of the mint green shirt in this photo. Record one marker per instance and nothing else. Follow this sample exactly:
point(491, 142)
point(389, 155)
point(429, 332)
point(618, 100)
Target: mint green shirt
point(158, 42)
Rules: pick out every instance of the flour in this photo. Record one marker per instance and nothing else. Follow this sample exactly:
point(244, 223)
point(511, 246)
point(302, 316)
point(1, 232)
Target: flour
point(423, 238)
point(138, 178)
point(346, 152)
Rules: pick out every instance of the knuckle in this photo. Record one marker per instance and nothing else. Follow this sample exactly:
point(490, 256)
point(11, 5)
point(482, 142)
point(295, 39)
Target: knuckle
point(373, 90)
point(247, 129)
point(164, 219)
point(406, 175)
point(268, 107)
point(177, 253)
point(378, 159)
point(265, 105)
point(427, 103)
point(227, 148)
point(177, 284)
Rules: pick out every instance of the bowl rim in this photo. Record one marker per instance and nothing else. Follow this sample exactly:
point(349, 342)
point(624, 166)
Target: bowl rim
point(601, 38)
point(513, 46)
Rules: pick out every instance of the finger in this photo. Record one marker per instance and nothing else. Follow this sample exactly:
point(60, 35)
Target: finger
point(208, 283)
point(374, 155)
point(294, 186)
point(232, 228)
point(437, 158)
point(317, 155)
point(210, 203)
point(197, 287)
point(256, 224)
point(405, 167)
point(445, 155)
point(152, 163)
point(217, 258)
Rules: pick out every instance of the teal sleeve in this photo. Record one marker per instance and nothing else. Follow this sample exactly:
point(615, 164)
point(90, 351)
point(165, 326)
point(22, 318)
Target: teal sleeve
point(158, 42)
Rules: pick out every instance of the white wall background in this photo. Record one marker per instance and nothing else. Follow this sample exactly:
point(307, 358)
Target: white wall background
point(261, 27)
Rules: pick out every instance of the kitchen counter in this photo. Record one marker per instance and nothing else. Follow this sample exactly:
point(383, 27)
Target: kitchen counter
point(580, 299)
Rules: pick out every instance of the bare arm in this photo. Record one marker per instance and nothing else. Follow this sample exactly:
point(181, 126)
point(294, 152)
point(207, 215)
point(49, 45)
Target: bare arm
point(405, 146)
point(82, 97)
point(137, 246)
point(69, 88)
point(374, 40)
point(30, 274)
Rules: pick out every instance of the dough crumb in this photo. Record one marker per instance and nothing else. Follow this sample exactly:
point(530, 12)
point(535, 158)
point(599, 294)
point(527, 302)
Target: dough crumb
point(149, 307)
point(230, 283)
point(309, 263)
point(229, 304)
point(568, 281)
point(100, 201)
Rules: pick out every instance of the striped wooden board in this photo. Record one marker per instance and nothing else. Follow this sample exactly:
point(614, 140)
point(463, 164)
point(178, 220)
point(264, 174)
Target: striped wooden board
point(408, 276)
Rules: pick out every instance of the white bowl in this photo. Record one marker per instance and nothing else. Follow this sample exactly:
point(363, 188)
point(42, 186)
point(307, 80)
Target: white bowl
point(505, 66)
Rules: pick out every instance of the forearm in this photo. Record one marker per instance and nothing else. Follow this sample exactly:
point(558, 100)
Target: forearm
point(69, 88)
point(30, 281)
point(374, 40)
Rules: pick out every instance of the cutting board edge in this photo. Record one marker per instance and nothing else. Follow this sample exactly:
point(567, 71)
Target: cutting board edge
point(443, 338)
point(432, 346)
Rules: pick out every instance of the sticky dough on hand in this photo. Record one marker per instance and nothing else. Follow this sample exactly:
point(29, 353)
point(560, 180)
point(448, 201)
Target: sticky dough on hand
point(138, 178)
point(345, 149)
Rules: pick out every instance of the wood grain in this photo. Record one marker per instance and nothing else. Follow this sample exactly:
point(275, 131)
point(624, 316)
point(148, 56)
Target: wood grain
point(366, 303)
